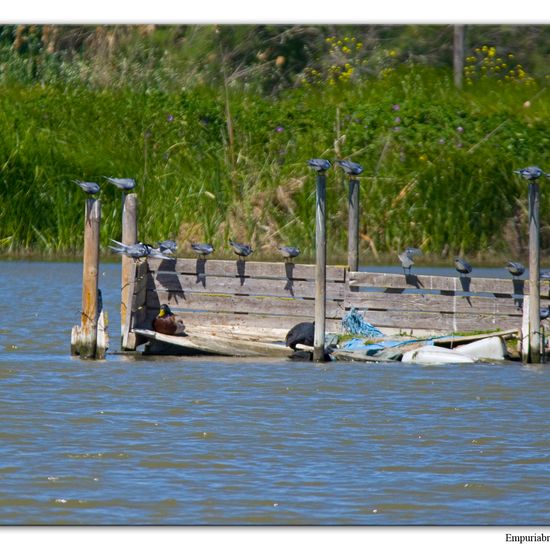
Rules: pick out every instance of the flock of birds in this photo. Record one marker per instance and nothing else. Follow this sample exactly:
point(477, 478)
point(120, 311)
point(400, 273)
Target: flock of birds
point(516, 269)
point(166, 250)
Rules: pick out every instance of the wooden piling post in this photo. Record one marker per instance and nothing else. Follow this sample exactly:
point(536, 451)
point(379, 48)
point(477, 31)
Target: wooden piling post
point(88, 325)
point(353, 224)
point(534, 273)
point(458, 54)
point(320, 269)
point(129, 236)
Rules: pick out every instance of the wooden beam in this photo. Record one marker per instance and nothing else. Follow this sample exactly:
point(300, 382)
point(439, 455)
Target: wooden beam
point(174, 282)
point(320, 268)
point(129, 236)
point(353, 224)
point(534, 271)
point(244, 269)
point(228, 303)
point(441, 322)
point(89, 316)
point(238, 321)
point(433, 302)
point(435, 282)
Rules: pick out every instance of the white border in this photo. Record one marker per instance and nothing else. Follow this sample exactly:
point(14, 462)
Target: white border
point(281, 11)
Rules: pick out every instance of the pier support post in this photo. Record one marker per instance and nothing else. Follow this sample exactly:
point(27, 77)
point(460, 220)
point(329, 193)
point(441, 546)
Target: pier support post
point(129, 236)
point(84, 338)
point(353, 225)
point(320, 269)
point(534, 273)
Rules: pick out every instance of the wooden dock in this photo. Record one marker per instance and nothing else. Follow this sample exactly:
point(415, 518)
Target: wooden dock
point(246, 308)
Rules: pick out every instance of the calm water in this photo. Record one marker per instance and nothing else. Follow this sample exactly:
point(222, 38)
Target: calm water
point(192, 441)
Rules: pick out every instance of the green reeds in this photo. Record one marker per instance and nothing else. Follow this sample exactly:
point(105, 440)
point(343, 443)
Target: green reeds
point(438, 164)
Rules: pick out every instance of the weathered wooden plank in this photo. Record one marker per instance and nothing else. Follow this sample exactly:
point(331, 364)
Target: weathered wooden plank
point(433, 302)
point(220, 345)
point(127, 271)
point(239, 321)
point(452, 284)
point(175, 282)
point(441, 322)
point(269, 305)
point(244, 269)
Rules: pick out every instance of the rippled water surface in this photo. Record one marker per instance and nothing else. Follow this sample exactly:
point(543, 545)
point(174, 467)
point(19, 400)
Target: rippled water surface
point(223, 441)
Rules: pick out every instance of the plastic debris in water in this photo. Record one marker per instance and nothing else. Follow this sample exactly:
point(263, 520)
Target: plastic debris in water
point(354, 323)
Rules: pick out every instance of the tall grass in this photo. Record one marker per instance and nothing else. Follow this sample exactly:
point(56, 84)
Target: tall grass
point(438, 164)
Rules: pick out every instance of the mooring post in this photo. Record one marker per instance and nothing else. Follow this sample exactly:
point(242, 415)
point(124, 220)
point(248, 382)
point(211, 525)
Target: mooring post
point(534, 273)
point(129, 236)
point(353, 224)
point(320, 166)
point(88, 324)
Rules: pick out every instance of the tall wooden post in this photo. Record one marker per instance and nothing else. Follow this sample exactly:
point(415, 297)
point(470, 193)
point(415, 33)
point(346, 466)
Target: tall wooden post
point(320, 269)
point(458, 54)
point(88, 323)
point(353, 224)
point(129, 236)
point(534, 273)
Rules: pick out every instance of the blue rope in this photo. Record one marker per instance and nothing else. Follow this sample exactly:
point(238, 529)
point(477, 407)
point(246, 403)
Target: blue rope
point(353, 323)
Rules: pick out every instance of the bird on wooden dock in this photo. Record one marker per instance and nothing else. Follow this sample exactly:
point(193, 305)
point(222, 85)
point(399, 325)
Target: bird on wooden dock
point(137, 250)
point(167, 323)
point(515, 268)
point(530, 173)
point(350, 168)
point(462, 266)
point(168, 247)
point(153, 252)
point(406, 257)
point(240, 249)
point(202, 249)
point(302, 333)
point(126, 184)
point(89, 187)
point(319, 165)
point(288, 252)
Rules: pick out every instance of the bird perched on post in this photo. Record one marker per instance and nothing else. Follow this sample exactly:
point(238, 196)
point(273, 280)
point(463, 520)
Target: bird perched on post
point(319, 165)
point(350, 168)
point(203, 249)
point(462, 266)
point(167, 323)
point(515, 268)
point(530, 173)
point(302, 333)
point(406, 257)
point(126, 184)
point(89, 187)
point(240, 249)
point(288, 252)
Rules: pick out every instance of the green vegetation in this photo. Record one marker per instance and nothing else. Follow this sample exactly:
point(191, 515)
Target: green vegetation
point(220, 157)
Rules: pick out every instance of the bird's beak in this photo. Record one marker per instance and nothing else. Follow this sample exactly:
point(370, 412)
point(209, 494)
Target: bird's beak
point(162, 313)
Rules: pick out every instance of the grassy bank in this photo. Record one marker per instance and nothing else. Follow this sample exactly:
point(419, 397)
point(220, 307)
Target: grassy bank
point(438, 164)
